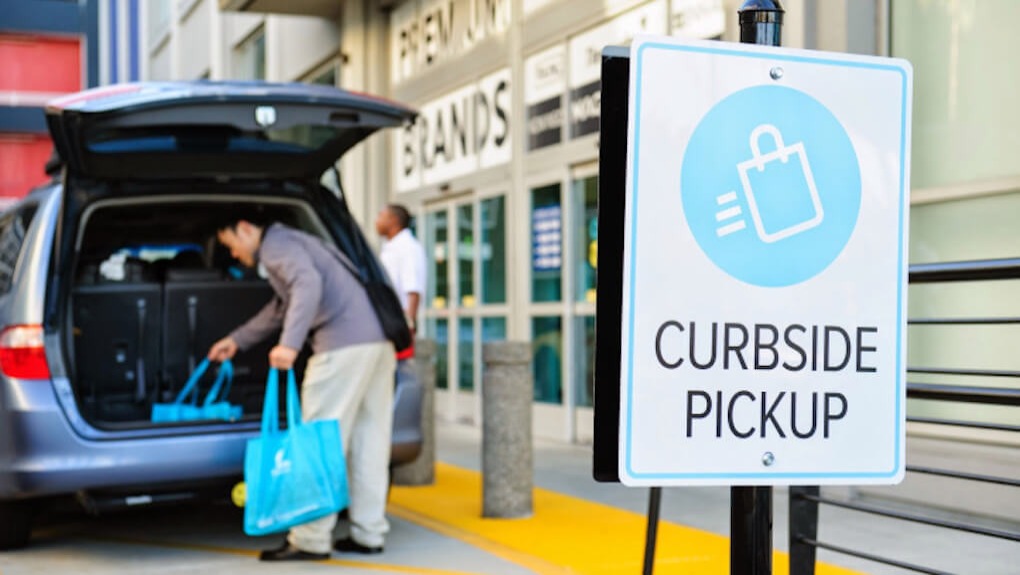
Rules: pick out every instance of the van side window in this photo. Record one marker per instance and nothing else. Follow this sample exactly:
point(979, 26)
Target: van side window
point(13, 226)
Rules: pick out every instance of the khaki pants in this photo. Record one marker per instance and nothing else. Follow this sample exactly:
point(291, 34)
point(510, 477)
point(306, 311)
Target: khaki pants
point(354, 385)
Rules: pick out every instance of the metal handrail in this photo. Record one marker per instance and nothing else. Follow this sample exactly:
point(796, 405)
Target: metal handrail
point(873, 557)
point(964, 372)
point(973, 424)
point(964, 321)
point(914, 517)
point(975, 270)
point(804, 501)
point(964, 393)
point(963, 475)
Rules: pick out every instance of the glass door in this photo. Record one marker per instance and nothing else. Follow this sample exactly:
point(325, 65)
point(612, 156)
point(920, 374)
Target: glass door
point(467, 299)
point(583, 257)
point(563, 232)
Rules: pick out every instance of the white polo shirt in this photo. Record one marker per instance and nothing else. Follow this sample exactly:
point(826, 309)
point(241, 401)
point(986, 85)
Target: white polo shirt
point(404, 260)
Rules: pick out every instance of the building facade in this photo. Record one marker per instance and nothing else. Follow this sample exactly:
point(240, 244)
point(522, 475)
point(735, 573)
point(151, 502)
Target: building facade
point(500, 169)
point(45, 52)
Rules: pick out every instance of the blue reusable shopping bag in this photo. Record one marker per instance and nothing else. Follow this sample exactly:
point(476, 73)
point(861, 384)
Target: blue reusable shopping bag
point(296, 475)
point(215, 405)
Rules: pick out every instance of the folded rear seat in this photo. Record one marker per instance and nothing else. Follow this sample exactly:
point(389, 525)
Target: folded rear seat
point(199, 309)
point(117, 342)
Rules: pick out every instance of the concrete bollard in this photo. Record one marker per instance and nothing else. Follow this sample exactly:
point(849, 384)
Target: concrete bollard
point(507, 390)
point(422, 471)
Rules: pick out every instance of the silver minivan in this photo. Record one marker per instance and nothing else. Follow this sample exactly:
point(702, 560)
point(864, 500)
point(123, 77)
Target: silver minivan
point(112, 285)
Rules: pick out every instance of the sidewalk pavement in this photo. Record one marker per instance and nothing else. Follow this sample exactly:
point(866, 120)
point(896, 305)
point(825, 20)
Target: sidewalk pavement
point(580, 526)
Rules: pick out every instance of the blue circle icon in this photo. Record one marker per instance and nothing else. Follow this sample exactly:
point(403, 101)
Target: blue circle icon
point(771, 186)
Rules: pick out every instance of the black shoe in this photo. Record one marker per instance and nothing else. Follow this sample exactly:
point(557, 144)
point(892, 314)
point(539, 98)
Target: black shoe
point(288, 552)
point(349, 545)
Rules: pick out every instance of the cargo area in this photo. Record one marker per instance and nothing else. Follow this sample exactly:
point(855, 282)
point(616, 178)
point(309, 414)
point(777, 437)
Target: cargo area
point(153, 290)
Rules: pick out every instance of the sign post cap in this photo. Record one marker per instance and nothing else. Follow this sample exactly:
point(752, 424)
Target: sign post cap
point(761, 6)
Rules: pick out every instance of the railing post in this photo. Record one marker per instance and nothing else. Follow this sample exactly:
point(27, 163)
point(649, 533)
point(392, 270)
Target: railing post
point(507, 390)
point(422, 471)
point(803, 527)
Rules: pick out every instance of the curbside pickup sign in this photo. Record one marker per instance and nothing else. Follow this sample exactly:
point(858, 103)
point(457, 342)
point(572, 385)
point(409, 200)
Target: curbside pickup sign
point(763, 334)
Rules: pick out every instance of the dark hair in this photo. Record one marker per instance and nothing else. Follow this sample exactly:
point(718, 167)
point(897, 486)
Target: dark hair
point(230, 217)
point(401, 213)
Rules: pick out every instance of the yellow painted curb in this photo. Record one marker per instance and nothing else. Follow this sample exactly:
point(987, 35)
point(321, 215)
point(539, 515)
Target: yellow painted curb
point(566, 534)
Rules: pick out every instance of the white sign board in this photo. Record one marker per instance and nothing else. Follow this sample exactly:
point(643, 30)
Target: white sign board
point(764, 266)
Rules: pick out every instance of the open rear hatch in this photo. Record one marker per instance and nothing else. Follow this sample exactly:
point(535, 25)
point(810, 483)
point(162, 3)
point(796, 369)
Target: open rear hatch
point(137, 333)
point(213, 129)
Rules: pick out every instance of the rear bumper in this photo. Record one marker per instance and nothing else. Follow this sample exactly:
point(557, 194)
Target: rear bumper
point(41, 454)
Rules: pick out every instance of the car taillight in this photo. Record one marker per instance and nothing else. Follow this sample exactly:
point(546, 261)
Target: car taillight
point(22, 354)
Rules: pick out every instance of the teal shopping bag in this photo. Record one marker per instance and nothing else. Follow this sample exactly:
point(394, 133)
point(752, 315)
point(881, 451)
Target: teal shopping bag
point(215, 406)
point(295, 475)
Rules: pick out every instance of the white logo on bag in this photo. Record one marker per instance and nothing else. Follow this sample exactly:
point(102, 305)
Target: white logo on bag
point(281, 465)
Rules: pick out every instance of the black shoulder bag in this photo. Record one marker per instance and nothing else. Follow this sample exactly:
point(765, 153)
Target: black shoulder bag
point(385, 303)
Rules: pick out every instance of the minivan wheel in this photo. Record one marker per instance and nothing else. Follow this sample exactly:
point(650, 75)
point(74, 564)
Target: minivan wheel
point(15, 524)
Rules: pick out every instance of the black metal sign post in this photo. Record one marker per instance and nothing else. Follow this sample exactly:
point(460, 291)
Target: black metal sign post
point(761, 22)
point(751, 507)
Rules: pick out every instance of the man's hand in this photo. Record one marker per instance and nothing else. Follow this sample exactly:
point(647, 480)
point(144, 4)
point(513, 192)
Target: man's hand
point(223, 349)
point(282, 357)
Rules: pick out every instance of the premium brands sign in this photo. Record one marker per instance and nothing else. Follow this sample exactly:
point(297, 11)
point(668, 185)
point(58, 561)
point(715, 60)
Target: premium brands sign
point(425, 33)
point(464, 131)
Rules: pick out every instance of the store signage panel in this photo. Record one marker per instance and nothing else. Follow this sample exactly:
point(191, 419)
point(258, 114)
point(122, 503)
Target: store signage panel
point(426, 33)
point(586, 61)
point(697, 18)
point(545, 81)
point(531, 6)
point(464, 131)
point(546, 239)
point(766, 345)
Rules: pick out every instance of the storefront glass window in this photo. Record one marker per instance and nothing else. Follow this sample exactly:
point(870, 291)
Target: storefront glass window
point(466, 354)
point(159, 18)
point(493, 250)
point(439, 328)
point(466, 255)
point(585, 356)
point(493, 328)
point(250, 58)
point(965, 115)
point(547, 351)
point(327, 77)
point(435, 253)
point(546, 244)
point(586, 236)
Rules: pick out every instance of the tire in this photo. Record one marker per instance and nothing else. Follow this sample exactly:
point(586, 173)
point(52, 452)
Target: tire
point(15, 524)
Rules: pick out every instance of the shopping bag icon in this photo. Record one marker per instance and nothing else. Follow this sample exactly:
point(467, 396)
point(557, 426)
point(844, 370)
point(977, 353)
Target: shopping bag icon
point(779, 187)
